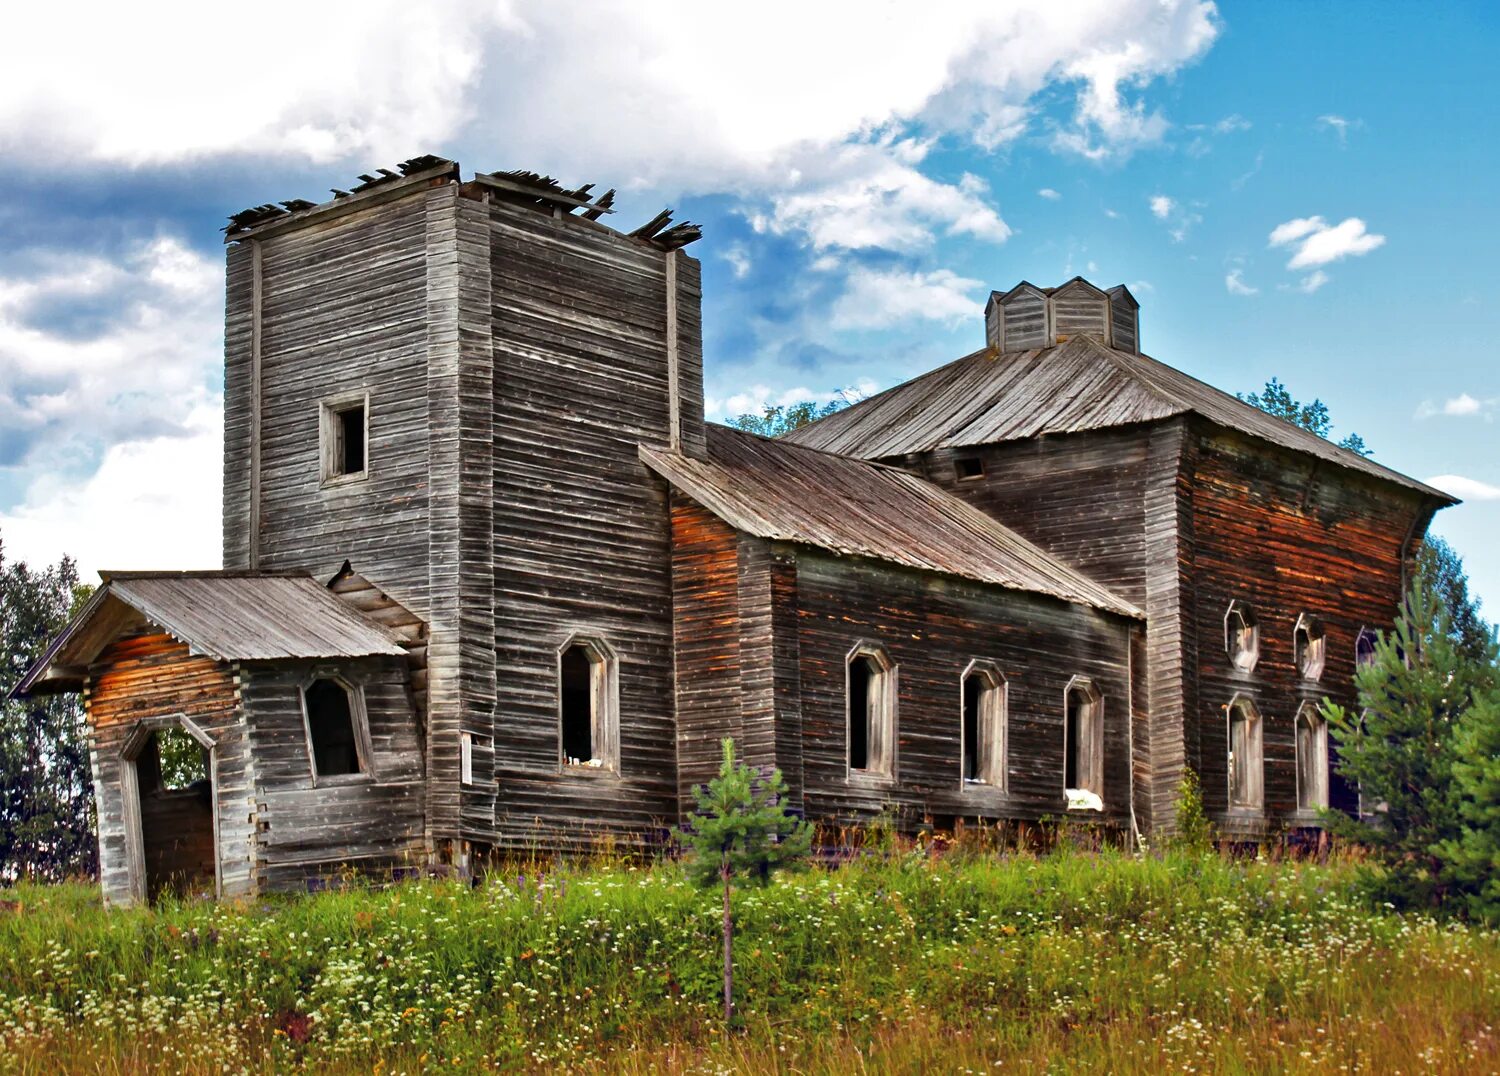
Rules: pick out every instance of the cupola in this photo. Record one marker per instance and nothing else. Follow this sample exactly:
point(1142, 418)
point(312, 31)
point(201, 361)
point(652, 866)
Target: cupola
point(1027, 317)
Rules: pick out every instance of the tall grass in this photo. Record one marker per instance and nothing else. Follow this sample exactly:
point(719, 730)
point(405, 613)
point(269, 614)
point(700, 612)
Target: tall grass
point(899, 962)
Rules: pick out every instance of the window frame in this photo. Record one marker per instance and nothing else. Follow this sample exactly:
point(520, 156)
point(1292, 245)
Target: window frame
point(1095, 783)
point(883, 702)
point(959, 474)
point(331, 436)
point(1366, 634)
point(1310, 670)
point(359, 718)
point(1312, 710)
point(1246, 659)
point(993, 750)
point(1257, 722)
point(604, 706)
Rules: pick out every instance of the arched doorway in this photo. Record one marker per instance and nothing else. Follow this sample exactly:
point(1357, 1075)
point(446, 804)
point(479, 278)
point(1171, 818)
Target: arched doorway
point(170, 815)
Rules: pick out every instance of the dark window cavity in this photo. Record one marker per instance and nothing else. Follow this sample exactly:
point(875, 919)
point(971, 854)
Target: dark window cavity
point(330, 727)
point(969, 466)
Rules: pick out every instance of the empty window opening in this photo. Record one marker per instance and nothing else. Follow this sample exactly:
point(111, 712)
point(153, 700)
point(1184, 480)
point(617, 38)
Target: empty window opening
point(471, 747)
point(173, 762)
point(1241, 636)
point(984, 727)
point(1083, 735)
point(871, 716)
point(1307, 645)
point(345, 436)
point(331, 729)
point(1364, 648)
point(1245, 766)
point(1312, 759)
point(969, 466)
point(586, 704)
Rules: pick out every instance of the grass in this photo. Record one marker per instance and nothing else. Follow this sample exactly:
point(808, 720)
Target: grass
point(902, 962)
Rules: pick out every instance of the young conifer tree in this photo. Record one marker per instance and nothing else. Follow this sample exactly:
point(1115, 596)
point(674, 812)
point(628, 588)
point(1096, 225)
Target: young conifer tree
point(742, 831)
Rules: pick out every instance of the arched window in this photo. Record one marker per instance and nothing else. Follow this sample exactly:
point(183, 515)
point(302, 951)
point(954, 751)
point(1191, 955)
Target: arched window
point(1312, 758)
point(1245, 760)
point(1307, 646)
point(588, 704)
point(984, 718)
point(1241, 636)
point(870, 691)
point(1364, 648)
point(1083, 737)
point(337, 738)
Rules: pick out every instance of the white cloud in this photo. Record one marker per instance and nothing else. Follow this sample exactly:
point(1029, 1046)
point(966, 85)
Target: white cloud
point(152, 504)
point(1235, 285)
point(1340, 126)
point(1468, 489)
point(738, 258)
point(1314, 242)
point(757, 398)
point(1231, 124)
point(1049, 194)
point(1178, 217)
point(877, 299)
point(1460, 406)
point(632, 94)
point(1162, 206)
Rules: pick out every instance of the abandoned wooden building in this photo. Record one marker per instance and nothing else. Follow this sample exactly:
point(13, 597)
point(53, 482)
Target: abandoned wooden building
point(491, 581)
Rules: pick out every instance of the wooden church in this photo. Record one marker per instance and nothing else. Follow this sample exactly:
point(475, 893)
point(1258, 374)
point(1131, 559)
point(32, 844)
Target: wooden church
point(491, 582)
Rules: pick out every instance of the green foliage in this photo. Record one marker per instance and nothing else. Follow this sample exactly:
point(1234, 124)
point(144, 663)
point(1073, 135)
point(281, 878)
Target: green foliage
point(1443, 568)
point(775, 421)
point(183, 760)
point(46, 793)
point(1276, 399)
point(1401, 748)
point(1472, 856)
point(742, 827)
point(1195, 832)
point(1066, 963)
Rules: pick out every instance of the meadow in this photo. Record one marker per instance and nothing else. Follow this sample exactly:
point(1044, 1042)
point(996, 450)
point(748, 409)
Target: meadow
point(902, 961)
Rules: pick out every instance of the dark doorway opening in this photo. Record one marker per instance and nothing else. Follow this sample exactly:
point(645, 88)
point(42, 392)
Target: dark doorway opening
point(178, 848)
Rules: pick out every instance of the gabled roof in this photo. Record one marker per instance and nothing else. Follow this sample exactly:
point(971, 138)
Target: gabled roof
point(985, 398)
point(230, 616)
point(771, 489)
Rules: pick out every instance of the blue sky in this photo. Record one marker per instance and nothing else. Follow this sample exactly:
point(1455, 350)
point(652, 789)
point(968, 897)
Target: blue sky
point(862, 184)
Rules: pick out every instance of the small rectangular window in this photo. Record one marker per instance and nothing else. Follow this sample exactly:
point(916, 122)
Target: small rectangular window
point(345, 438)
point(969, 467)
point(466, 757)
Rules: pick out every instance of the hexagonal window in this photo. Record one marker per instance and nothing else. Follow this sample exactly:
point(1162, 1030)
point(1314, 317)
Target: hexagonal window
point(1241, 636)
point(1307, 646)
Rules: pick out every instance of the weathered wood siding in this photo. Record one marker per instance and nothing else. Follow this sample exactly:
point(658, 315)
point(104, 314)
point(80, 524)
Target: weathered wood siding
point(581, 530)
point(1287, 535)
point(1024, 322)
point(933, 627)
point(1079, 309)
point(147, 676)
point(306, 829)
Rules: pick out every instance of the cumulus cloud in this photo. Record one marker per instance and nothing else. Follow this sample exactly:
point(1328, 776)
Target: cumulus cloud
point(152, 504)
point(1178, 217)
point(1312, 282)
point(1235, 284)
point(1468, 489)
point(756, 398)
point(1314, 242)
point(1461, 406)
point(629, 93)
point(1162, 206)
point(1049, 194)
point(876, 299)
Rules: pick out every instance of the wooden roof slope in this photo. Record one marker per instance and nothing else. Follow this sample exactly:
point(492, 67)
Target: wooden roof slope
point(230, 616)
point(779, 491)
point(1079, 385)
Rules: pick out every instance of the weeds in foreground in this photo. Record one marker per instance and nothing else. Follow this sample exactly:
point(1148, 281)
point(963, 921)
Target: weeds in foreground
point(901, 962)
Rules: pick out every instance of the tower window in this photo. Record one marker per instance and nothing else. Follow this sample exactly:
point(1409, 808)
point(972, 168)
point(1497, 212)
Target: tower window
point(588, 723)
point(1241, 636)
point(1083, 738)
point(1245, 761)
point(337, 738)
point(984, 725)
point(871, 717)
point(345, 438)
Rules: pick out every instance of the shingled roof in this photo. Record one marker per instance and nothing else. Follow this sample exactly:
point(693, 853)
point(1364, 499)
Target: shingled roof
point(985, 398)
point(780, 491)
point(231, 616)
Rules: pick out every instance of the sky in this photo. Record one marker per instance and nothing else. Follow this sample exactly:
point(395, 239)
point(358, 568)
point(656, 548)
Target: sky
point(1291, 190)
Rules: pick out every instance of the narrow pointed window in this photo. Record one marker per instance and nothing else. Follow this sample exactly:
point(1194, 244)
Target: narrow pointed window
point(1246, 766)
point(588, 722)
point(984, 720)
point(1312, 758)
point(1083, 739)
point(870, 691)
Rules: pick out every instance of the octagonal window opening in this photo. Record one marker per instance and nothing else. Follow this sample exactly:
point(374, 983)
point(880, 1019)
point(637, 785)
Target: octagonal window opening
point(1083, 744)
point(1308, 646)
point(1245, 763)
point(588, 705)
point(870, 715)
point(1241, 636)
point(983, 691)
point(1364, 647)
point(1312, 758)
